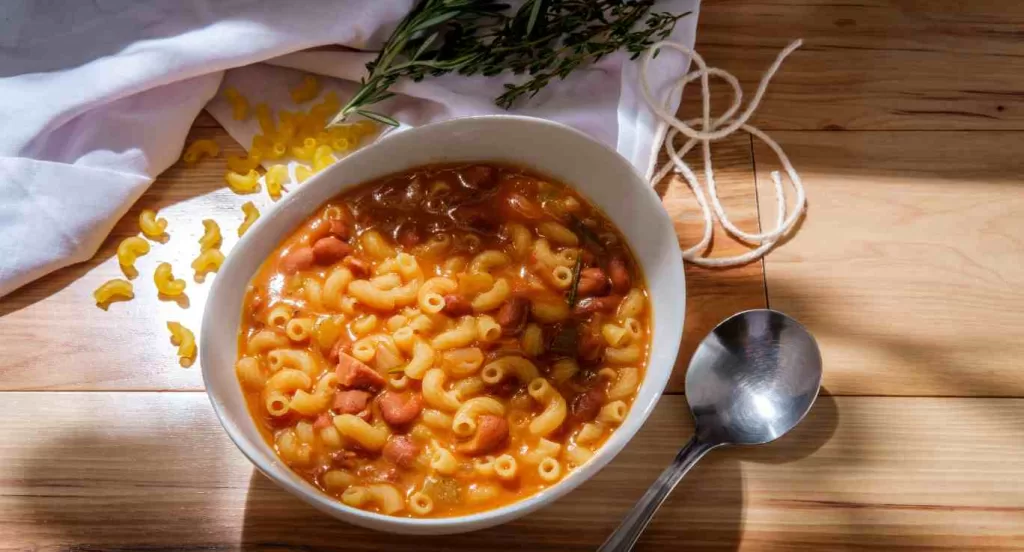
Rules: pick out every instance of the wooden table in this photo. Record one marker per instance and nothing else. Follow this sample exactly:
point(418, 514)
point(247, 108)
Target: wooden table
point(906, 120)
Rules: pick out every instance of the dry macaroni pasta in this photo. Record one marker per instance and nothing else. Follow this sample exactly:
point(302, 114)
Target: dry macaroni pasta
point(251, 214)
point(113, 290)
point(186, 342)
point(152, 227)
point(199, 149)
point(208, 261)
point(127, 251)
point(165, 281)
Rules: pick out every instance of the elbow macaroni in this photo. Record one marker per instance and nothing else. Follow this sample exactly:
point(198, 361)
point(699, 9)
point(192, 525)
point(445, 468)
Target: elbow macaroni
point(464, 423)
point(369, 437)
point(523, 370)
point(554, 412)
point(450, 335)
point(199, 149)
point(308, 89)
point(239, 105)
point(186, 342)
point(493, 298)
point(243, 183)
point(625, 385)
point(435, 394)
point(251, 214)
point(276, 177)
point(211, 238)
point(151, 226)
point(127, 251)
point(165, 281)
point(208, 261)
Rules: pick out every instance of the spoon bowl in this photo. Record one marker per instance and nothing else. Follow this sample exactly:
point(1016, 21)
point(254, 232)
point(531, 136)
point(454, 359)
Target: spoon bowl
point(751, 380)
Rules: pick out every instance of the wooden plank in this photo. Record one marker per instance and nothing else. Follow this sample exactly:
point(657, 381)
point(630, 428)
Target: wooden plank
point(154, 470)
point(205, 120)
point(714, 294)
point(908, 266)
point(57, 313)
point(873, 64)
point(58, 339)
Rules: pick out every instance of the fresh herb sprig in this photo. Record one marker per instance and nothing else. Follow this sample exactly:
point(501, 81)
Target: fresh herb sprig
point(574, 288)
point(543, 39)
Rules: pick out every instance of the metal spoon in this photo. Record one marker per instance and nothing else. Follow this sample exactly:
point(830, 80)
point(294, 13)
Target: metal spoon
point(752, 379)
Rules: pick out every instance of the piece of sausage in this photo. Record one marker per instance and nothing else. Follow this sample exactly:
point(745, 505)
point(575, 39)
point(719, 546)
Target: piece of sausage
point(354, 374)
point(296, 260)
point(401, 451)
point(329, 250)
point(322, 421)
point(585, 406)
point(398, 409)
point(618, 273)
point(491, 433)
point(512, 315)
point(359, 267)
point(352, 401)
point(593, 282)
point(456, 305)
point(591, 305)
point(338, 347)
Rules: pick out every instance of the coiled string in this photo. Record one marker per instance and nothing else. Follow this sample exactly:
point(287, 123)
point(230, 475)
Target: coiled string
point(669, 127)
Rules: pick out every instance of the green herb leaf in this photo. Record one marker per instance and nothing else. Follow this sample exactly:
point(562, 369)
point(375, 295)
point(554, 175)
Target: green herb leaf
point(384, 119)
point(577, 269)
point(534, 12)
point(544, 39)
point(587, 233)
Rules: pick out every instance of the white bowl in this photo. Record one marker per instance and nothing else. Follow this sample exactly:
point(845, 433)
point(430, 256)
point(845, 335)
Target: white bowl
point(569, 156)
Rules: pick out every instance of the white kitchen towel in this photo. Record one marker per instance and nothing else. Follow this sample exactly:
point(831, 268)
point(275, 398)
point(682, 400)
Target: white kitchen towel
point(97, 99)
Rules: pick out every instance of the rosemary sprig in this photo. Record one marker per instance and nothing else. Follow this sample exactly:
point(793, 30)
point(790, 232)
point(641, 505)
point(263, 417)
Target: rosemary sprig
point(543, 39)
point(587, 234)
point(577, 269)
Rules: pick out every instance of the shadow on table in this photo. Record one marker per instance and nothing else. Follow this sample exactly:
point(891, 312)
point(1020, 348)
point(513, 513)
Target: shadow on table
point(704, 512)
point(925, 358)
point(101, 489)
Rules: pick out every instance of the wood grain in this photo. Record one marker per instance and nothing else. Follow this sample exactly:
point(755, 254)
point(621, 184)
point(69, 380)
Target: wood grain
point(907, 269)
point(714, 294)
point(59, 339)
point(908, 266)
point(155, 471)
point(57, 312)
point(875, 65)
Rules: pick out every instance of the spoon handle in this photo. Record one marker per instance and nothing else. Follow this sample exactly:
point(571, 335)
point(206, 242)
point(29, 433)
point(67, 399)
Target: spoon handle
point(626, 534)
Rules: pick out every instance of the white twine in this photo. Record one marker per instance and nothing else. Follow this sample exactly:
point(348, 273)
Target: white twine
point(712, 130)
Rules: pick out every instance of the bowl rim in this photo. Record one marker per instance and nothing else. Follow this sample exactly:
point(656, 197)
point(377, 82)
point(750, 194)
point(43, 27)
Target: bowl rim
point(478, 520)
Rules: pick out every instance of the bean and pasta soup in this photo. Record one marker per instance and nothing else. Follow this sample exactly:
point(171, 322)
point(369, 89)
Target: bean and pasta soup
point(444, 341)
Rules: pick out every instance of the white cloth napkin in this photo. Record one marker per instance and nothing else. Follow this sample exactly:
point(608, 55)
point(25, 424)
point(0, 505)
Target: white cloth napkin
point(97, 99)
